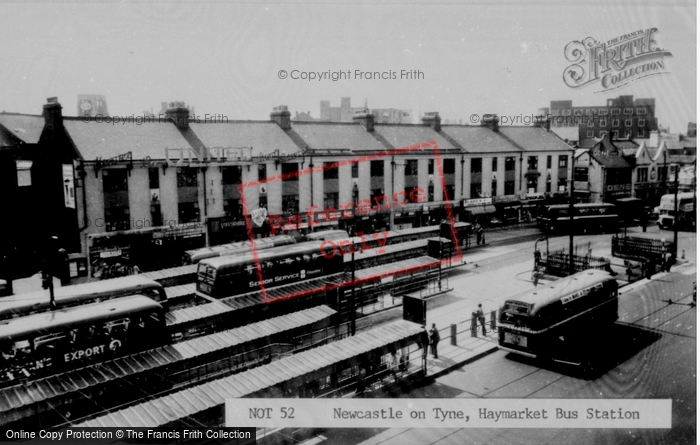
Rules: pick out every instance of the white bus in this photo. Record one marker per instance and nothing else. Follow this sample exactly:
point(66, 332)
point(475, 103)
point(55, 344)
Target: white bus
point(685, 211)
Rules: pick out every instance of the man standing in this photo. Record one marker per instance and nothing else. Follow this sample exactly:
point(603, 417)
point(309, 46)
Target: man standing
point(482, 319)
point(424, 341)
point(434, 339)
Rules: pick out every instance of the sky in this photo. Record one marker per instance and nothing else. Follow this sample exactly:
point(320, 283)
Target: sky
point(225, 58)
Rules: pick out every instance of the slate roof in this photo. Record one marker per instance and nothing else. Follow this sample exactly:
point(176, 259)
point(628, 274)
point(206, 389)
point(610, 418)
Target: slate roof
point(534, 138)
point(336, 136)
point(406, 135)
point(104, 140)
point(479, 139)
point(264, 136)
point(608, 155)
point(25, 127)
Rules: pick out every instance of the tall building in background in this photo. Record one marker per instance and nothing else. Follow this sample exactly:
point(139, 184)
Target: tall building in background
point(623, 118)
point(345, 113)
point(92, 105)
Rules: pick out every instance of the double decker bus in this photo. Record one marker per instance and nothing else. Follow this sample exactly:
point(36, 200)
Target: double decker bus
point(68, 296)
point(684, 211)
point(71, 337)
point(586, 217)
point(196, 255)
point(558, 320)
point(227, 276)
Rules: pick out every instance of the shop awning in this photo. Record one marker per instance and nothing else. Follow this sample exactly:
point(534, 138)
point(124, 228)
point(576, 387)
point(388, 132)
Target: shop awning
point(481, 210)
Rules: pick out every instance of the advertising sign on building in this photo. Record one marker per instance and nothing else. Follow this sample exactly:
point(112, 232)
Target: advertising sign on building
point(68, 186)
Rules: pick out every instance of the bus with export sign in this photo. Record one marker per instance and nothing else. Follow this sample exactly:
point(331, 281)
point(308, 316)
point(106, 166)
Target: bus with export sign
point(579, 217)
point(556, 321)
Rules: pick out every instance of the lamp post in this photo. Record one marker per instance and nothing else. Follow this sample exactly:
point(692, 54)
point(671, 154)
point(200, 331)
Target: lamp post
point(353, 233)
point(677, 213)
point(571, 218)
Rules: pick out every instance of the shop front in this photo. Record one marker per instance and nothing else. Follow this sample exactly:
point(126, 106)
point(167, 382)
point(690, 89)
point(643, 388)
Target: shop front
point(479, 210)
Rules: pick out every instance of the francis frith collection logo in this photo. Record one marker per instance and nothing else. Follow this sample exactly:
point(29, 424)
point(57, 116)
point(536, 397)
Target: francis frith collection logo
point(616, 62)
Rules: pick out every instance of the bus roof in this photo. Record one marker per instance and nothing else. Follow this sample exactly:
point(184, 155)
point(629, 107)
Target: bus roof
point(64, 318)
point(581, 206)
point(684, 195)
point(327, 235)
point(307, 248)
point(553, 292)
point(132, 284)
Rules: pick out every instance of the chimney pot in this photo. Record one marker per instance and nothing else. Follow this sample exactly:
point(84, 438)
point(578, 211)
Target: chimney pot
point(178, 114)
point(491, 121)
point(432, 119)
point(282, 116)
point(365, 118)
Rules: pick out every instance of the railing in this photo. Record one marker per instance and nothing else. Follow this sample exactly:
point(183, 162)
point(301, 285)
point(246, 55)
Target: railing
point(559, 263)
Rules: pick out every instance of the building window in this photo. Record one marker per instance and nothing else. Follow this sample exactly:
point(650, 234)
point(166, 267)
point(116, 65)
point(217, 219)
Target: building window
point(510, 164)
point(290, 204)
point(494, 188)
point(548, 185)
point(153, 178)
point(602, 133)
point(616, 122)
point(549, 161)
point(615, 134)
point(233, 208)
point(156, 216)
point(330, 200)
point(262, 172)
point(615, 112)
point(628, 122)
point(232, 174)
point(188, 212)
point(561, 185)
point(431, 192)
point(509, 188)
point(475, 191)
point(641, 133)
point(187, 177)
point(117, 218)
point(578, 112)
point(376, 169)
point(411, 168)
point(628, 111)
point(532, 162)
point(431, 166)
point(642, 174)
point(642, 122)
point(663, 174)
point(494, 164)
point(291, 169)
point(563, 161)
point(603, 123)
point(330, 170)
point(591, 123)
point(603, 112)
point(354, 170)
point(114, 181)
point(449, 167)
point(450, 192)
point(590, 133)
point(641, 111)
point(581, 174)
point(566, 112)
point(262, 201)
point(476, 165)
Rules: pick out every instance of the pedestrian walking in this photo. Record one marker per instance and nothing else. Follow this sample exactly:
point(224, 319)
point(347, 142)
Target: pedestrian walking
point(424, 341)
point(479, 233)
point(434, 339)
point(482, 319)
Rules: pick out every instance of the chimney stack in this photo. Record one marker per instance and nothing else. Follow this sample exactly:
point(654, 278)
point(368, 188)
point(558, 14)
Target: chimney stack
point(542, 121)
point(432, 119)
point(364, 118)
point(490, 120)
point(53, 116)
point(179, 114)
point(282, 116)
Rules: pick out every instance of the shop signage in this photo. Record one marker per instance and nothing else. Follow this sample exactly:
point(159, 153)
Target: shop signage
point(477, 202)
